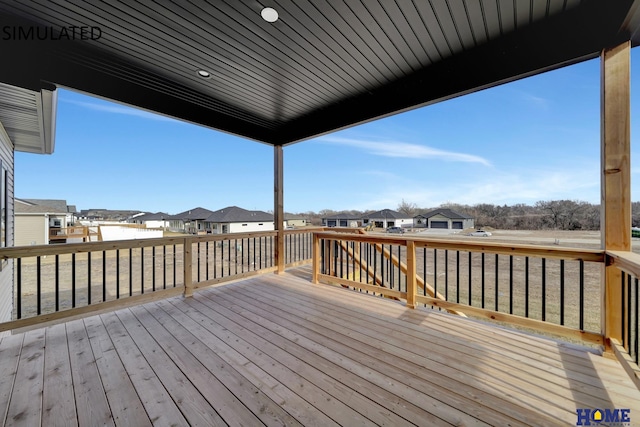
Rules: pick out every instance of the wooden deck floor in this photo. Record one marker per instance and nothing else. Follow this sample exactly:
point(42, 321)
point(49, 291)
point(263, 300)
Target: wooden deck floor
point(277, 350)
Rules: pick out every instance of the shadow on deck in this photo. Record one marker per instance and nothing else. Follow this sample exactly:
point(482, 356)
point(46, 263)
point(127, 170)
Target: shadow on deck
point(277, 350)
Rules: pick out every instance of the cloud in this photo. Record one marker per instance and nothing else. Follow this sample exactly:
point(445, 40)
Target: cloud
point(399, 149)
point(536, 101)
point(522, 186)
point(118, 109)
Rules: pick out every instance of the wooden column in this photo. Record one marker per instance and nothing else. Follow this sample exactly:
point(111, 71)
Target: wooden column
point(187, 267)
point(316, 259)
point(615, 176)
point(278, 206)
point(411, 274)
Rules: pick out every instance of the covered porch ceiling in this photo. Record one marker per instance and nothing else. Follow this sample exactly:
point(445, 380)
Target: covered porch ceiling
point(322, 66)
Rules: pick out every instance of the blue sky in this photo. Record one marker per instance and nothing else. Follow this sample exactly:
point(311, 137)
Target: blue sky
point(534, 139)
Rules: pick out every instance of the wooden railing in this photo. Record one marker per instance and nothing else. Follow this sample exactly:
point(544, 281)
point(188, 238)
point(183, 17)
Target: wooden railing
point(74, 232)
point(627, 347)
point(549, 289)
point(57, 281)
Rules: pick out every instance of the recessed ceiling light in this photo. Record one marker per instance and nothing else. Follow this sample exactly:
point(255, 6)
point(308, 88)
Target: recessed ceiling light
point(204, 74)
point(269, 14)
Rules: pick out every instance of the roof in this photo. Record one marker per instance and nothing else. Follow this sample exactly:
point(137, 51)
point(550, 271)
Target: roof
point(343, 216)
point(386, 213)
point(236, 214)
point(58, 204)
point(445, 212)
point(23, 206)
point(192, 214)
point(158, 216)
point(290, 216)
point(320, 67)
point(29, 118)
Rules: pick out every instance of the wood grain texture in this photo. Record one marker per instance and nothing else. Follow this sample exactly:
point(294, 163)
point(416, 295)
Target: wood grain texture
point(615, 215)
point(278, 350)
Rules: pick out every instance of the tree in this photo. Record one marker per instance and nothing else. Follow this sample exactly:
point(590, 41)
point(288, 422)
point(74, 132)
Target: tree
point(564, 214)
point(407, 208)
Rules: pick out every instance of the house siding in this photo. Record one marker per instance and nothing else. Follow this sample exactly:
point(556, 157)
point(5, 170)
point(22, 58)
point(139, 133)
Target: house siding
point(31, 230)
point(6, 275)
point(237, 227)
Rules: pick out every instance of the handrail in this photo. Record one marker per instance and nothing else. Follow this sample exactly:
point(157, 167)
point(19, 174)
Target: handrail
point(626, 347)
point(99, 275)
point(591, 255)
point(626, 261)
point(336, 264)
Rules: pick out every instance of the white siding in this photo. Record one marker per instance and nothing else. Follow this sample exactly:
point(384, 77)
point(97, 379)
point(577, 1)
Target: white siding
point(238, 227)
point(31, 230)
point(295, 222)
point(156, 224)
point(6, 275)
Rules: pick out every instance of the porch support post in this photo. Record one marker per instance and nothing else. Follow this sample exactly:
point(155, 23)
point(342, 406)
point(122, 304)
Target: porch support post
point(615, 146)
point(411, 274)
point(187, 266)
point(278, 206)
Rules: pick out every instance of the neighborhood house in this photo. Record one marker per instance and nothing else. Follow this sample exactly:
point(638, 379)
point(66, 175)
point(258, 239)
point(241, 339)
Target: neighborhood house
point(387, 218)
point(443, 219)
point(233, 219)
point(37, 221)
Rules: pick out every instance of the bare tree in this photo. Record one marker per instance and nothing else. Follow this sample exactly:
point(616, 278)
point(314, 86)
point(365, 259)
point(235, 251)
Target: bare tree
point(564, 214)
point(408, 208)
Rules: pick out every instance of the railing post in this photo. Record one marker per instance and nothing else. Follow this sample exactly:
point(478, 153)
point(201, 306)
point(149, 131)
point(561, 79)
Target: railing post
point(187, 266)
point(411, 274)
point(316, 259)
point(278, 208)
point(615, 177)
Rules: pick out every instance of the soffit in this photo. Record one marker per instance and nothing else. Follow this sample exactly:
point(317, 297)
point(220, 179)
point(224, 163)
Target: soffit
point(322, 66)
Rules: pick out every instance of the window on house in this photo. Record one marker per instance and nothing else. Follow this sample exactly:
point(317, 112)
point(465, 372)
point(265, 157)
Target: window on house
point(244, 225)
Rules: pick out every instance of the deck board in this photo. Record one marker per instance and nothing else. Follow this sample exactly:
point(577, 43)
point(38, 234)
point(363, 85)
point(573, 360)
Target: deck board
point(387, 352)
point(91, 401)
point(277, 350)
point(545, 380)
point(124, 402)
point(10, 349)
point(25, 406)
point(58, 401)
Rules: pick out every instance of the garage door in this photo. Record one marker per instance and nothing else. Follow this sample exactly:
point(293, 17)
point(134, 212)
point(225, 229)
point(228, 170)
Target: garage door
point(439, 224)
point(457, 225)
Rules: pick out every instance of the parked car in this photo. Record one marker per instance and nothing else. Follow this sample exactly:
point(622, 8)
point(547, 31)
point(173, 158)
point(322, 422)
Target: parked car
point(398, 230)
point(479, 233)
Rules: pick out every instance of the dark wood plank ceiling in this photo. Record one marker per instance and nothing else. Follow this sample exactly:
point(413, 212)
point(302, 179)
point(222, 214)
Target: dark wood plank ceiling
point(323, 65)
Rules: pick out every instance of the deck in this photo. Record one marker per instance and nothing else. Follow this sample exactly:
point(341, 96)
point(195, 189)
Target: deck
point(277, 350)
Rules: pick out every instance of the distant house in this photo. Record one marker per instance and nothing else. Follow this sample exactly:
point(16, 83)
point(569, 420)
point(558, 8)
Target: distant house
point(443, 219)
point(387, 218)
point(191, 221)
point(59, 205)
point(295, 221)
point(110, 215)
point(233, 219)
point(152, 220)
point(34, 218)
point(342, 220)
